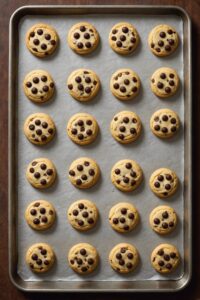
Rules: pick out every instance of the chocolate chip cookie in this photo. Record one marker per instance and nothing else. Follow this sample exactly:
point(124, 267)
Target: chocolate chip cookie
point(82, 128)
point(164, 123)
point(84, 173)
point(83, 38)
point(123, 217)
point(41, 40)
point(163, 40)
point(125, 84)
point(123, 38)
point(40, 215)
point(38, 86)
point(82, 215)
point(124, 258)
point(126, 127)
point(41, 173)
point(39, 128)
point(163, 219)
point(40, 257)
point(126, 175)
point(83, 258)
point(163, 182)
point(83, 84)
point(165, 258)
point(164, 82)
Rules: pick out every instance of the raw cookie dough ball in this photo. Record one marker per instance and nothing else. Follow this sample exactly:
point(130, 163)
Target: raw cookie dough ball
point(84, 173)
point(164, 123)
point(123, 38)
point(163, 40)
point(38, 86)
point(124, 258)
point(83, 84)
point(125, 84)
point(41, 173)
point(126, 127)
point(126, 175)
point(165, 258)
point(83, 38)
point(39, 128)
point(82, 128)
point(163, 182)
point(82, 215)
point(41, 40)
point(123, 217)
point(163, 219)
point(40, 215)
point(40, 257)
point(83, 258)
point(164, 82)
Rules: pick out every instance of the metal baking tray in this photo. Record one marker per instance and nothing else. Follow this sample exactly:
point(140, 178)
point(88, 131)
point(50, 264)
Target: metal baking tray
point(149, 151)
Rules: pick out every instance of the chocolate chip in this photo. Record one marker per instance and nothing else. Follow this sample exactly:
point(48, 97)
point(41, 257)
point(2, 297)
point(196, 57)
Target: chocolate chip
point(128, 165)
point(80, 87)
point(37, 204)
point(86, 36)
point(80, 136)
point(171, 42)
point(78, 182)
point(81, 205)
point(84, 177)
point(88, 45)
point(157, 49)
point(43, 251)
point(36, 42)
point(47, 36)
point(117, 171)
point(39, 131)
point(119, 44)
point(122, 38)
point(122, 128)
point(36, 221)
point(31, 127)
point(83, 251)
point(126, 180)
point(75, 212)
point(80, 223)
point(79, 261)
point(121, 136)
point(130, 255)
point(33, 212)
point(126, 227)
point(85, 214)
point(32, 34)
point(43, 46)
point(171, 75)
point(115, 221)
point(72, 173)
point(160, 43)
point(168, 186)
point(171, 83)
point(173, 120)
point(157, 184)
point(171, 224)
point(169, 31)
point(160, 252)
point(37, 175)
point(123, 250)
point(34, 90)
point(118, 256)
point(113, 38)
point(76, 35)
point(165, 118)
point(78, 79)
point(51, 212)
point(168, 266)
point(165, 214)
point(87, 79)
point(46, 262)
point(43, 138)
point(121, 262)
point(166, 257)
point(162, 34)
point(79, 167)
point(84, 269)
point(156, 221)
point(29, 84)
point(129, 265)
point(116, 86)
point(168, 48)
point(43, 182)
point(152, 45)
point(123, 211)
point(131, 216)
point(42, 210)
point(161, 263)
point(164, 225)
point(31, 170)
point(91, 172)
point(126, 81)
point(134, 89)
point(49, 172)
point(70, 86)
point(39, 262)
point(160, 85)
point(114, 31)
point(164, 130)
point(162, 75)
point(34, 256)
point(133, 40)
point(88, 90)
point(82, 28)
point(89, 132)
point(53, 42)
point(40, 31)
point(125, 29)
point(90, 221)
point(168, 177)
point(80, 45)
point(134, 79)
point(45, 88)
point(122, 89)
point(172, 254)
point(90, 261)
point(133, 131)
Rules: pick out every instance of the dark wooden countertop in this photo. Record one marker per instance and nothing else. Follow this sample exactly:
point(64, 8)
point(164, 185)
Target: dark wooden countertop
point(7, 290)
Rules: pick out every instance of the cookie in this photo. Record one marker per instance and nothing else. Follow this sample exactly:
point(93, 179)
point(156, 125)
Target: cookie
point(41, 40)
point(39, 128)
point(163, 219)
point(123, 217)
point(82, 128)
point(40, 257)
point(82, 215)
point(123, 38)
point(124, 258)
point(164, 123)
point(163, 40)
point(165, 258)
point(126, 175)
point(83, 38)
point(83, 84)
point(125, 84)
point(84, 173)
point(126, 127)
point(38, 86)
point(83, 258)
point(41, 173)
point(40, 215)
point(163, 182)
point(164, 82)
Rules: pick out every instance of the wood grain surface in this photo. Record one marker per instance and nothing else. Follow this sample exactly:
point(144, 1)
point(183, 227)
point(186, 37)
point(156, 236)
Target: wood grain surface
point(7, 290)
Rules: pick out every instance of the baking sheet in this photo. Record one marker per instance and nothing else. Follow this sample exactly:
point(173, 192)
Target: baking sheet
point(149, 151)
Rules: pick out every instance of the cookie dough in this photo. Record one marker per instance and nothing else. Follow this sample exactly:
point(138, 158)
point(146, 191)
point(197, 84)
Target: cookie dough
point(163, 40)
point(84, 173)
point(82, 128)
point(41, 173)
point(41, 40)
point(123, 38)
point(83, 84)
point(164, 123)
point(126, 127)
point(163, 182)
point(164, 82)
point(39, 128)
point(123, 217)
point(124, 258)
point(83, 258)
point(125, 84)
point(163, 219)
point(165, 258)
point(82, 215)
point(83, 38)
point(38, 86)
point(126, 175)
point(40, 215)
point(40, 257)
